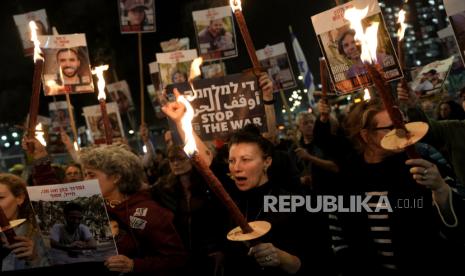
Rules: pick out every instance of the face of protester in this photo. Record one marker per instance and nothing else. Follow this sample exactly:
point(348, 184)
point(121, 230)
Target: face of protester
point(179, 163)
point(306, 127)
point(350, 47)
point(108, 183)
point(9, 202)
point(444, 110)
point(248, 165)
point(136, 16)
point(216, 27)
point(73, 174)
point(374, 135)
point(69, 63)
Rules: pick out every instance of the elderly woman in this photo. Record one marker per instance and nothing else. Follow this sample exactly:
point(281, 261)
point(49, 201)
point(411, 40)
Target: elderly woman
point(28, 251)
point(147, 241)
point(409, 209)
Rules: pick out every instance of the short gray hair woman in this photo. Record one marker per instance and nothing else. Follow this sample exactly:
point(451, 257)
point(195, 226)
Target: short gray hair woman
point(148, 242)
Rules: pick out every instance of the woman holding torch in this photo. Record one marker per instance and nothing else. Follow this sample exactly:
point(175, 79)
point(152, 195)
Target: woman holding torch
point(411, 210)
point(290, 247)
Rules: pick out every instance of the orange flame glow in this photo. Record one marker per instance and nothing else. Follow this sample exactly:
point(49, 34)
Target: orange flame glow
point(366, 95)
point(403, 26)
point(194, 72)
point(186, 122)
point(40, 134)
point(368, 39)
point(235, 5)
point(37, 52)
point(101, 80)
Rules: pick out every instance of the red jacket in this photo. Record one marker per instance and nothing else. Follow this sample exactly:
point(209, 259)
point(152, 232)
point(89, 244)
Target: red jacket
point(147, 235)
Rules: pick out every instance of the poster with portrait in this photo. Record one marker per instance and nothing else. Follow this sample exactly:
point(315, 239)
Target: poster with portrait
point(275, 61)
point(78, 205)
point(175, 44)
point(121, 94)
point(60, 120)
point(174, 67)
point(455, 10)
point(155, 90)
point(137, 16)
point(213, 70)
point(449, 44)
point(215, 33)
point(22, 24)
point(431, 77)
point(224, 105)
point(342, 52)
point(66, 65)
point(96, 126)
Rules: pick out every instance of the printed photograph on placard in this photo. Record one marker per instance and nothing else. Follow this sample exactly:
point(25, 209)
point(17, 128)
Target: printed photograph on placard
point(342, 52)
point(66, 65)
point(137, 16)
point(22, 24)
point(174, 67)
point(216, 36)
point(95, 124)
point(214, 70)
point(60, 121)
point(431, 77)
point(275, 60)
point(455, 10)
point(175, 44)
point(73, 222)
point(121, 94)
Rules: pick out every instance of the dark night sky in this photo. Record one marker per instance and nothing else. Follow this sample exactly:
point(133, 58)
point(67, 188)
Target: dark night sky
point(267, 20)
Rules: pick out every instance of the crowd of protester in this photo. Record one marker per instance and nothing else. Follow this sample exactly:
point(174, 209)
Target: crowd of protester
point(327, 152)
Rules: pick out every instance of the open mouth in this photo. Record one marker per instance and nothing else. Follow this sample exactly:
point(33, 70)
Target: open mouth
point(240, 179)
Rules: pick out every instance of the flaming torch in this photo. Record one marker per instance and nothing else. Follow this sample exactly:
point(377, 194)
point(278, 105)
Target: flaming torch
point(237, 9)
point(103, 105)
point(36, 81)
point(245, 231)
point(404, 135)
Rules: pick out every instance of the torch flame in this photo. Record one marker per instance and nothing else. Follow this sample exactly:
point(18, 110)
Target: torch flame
point(368, 39)
point(235, 5)
point(37, 52)
point(186, 122)
point(76, 147)
point(403, 26)
point(101, 80)
point(366, 95)
point(194, 72)
point(40, 134)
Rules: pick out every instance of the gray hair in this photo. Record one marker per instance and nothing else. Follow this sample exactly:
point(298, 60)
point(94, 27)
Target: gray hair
point(304, 115)
point(116, 160)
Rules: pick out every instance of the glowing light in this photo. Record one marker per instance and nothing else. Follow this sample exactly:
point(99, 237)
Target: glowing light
point(101, 80)
point(403, 26)
point(40, 134)
point(235, 5)
point(37, 52)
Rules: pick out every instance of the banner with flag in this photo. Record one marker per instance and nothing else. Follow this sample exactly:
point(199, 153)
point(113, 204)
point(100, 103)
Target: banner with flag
point(303, 68)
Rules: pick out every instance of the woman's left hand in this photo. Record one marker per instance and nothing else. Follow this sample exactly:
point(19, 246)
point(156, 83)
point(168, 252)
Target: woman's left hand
point(23, 248)
point(265, 254)
point(426, 173)
point(120, 263)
